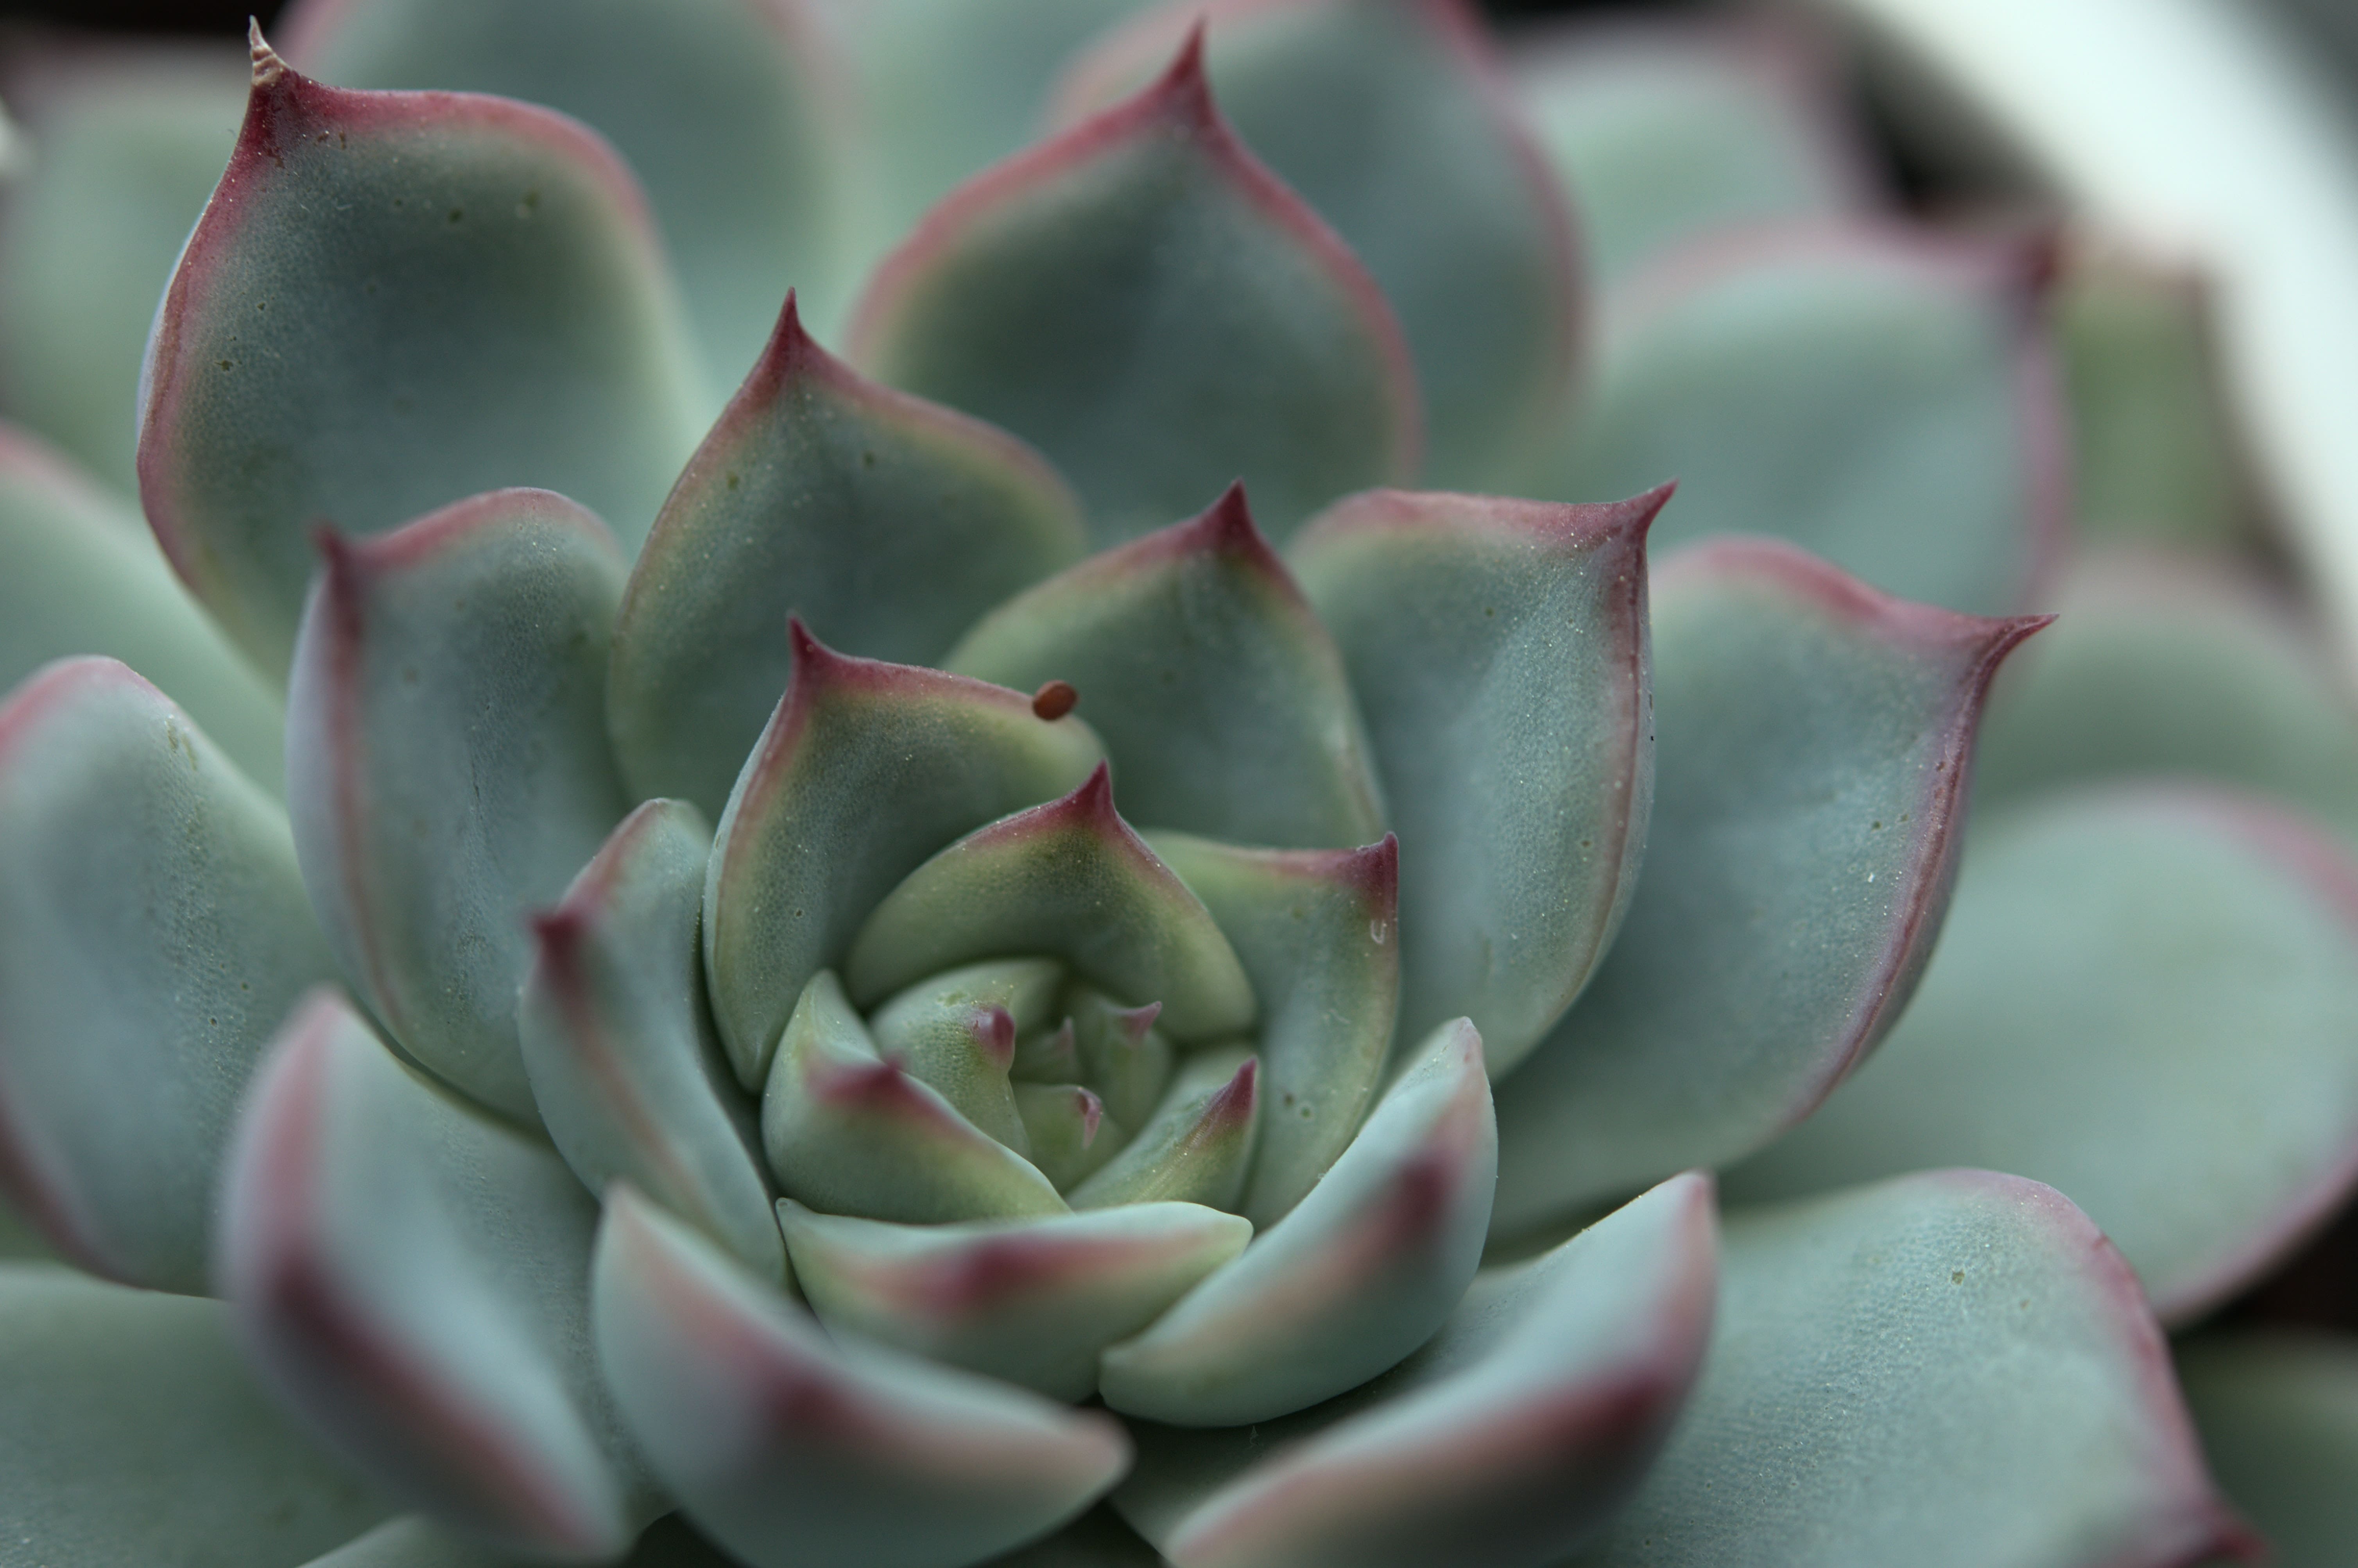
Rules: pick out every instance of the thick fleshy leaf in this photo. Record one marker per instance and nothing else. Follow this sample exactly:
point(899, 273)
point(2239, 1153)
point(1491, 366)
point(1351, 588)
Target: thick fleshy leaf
point(2155, 446)
point(413, 1278)
point(1069, 1133)
point(1196, 1147)
point(1504, 1441)
point(1878, 399)
point(1318, 936)
point(1360, 1273)
point(849, 1132)
point(448, 765)
point(1149, 306)
point(864, 772)
point(1889, 1360)
point(941, 1034)
point(153, 933)
point(124, 146)
point(80, 574)
point(135, 1433)
point(2279, 1415)
point(1394, 123)
point(728, 110)
point(1121, 1051)
point(618, 1042)
point(1069, 879)
point(1220, 698)
point(2162, 667)
point(1031, 1302)
point(2144, 998)
point(795, 1452)
point(1668, 132)
point(1813, 738)
point(1499, 649)
point(888, 524)
point(394, 300)
point(957, 86)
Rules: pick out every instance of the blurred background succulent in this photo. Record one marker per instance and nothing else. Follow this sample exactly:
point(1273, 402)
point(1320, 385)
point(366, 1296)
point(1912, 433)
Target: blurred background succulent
point(577, 869)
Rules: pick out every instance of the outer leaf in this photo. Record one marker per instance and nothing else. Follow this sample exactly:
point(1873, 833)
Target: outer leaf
point(730, 110)
point(1814, 737)
point(618, 1042)
point(1143, 301)
point(795, 1452)
point(1069, 879)
point(136, 1434)
point(450, 770)
point(79, 575)
point(1221, 699)
point(2278, 1414)
point(887, 523)
point(394, 300)
point(2101, 950)
point(126, 144)
point(1031, 1302)
point(1886, 404)
point(1506, 1440)
point(847, 1132)
point(412, 1278)
point(1317, 935)
point(153, 931)
point(1360, 1273)
point(1887, 1360)
point(1395, 123)
point(1665, 133)
point(1499, 648)
point(2158, 666)
point(865, 770)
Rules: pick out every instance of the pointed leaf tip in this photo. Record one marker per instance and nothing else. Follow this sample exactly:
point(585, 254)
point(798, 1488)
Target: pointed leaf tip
point(267, 67)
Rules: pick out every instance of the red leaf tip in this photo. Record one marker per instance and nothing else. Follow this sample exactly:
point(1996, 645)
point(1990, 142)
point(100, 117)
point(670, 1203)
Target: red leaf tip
point(994, 1032)
point(1133, 1022)
point(1094, 799)
point(1185, 81)
point(1092, 1113)
point(1232, 1105)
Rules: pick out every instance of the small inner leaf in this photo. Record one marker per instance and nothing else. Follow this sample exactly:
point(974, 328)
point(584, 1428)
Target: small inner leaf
point(1198, 1145)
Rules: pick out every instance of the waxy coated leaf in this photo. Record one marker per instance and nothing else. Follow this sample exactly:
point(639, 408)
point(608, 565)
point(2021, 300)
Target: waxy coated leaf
point(1360, 1273)
point(1031, 1302)
point(618, 1042)
point(79, 574)
point(2163, 666)
point(2146, 999)
point(1220, 698)
point(449, 771)
point(153, 933)
point(886, 523)
point(1504, 1441)
point(954, 1032)
point(1814, 738)
point(1669, 132)
point(1887, 1360)
point(136, 1434)
point(124, 146)
point(794, 1451)
point(1396, 126)
point(957, 86)
point(1499, 649)
point(1069, 879)
point(1318, 936)
point(2279, 1415)
point(1147, 305)
point(1121, 1051)
point(1880, 400)
point(394, 300)
point(1198, 1144)
point(1068, 1131)
point(863, 772)
point(730, 110)
point(849, 1133)
point(413, 1278)
point(2154, 446)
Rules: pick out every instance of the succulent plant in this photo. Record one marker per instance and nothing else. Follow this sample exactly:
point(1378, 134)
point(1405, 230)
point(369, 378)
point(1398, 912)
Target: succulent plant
point(1002, 949)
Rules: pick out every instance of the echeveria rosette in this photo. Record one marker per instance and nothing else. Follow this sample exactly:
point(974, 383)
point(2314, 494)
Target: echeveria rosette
point(1184, 1116)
